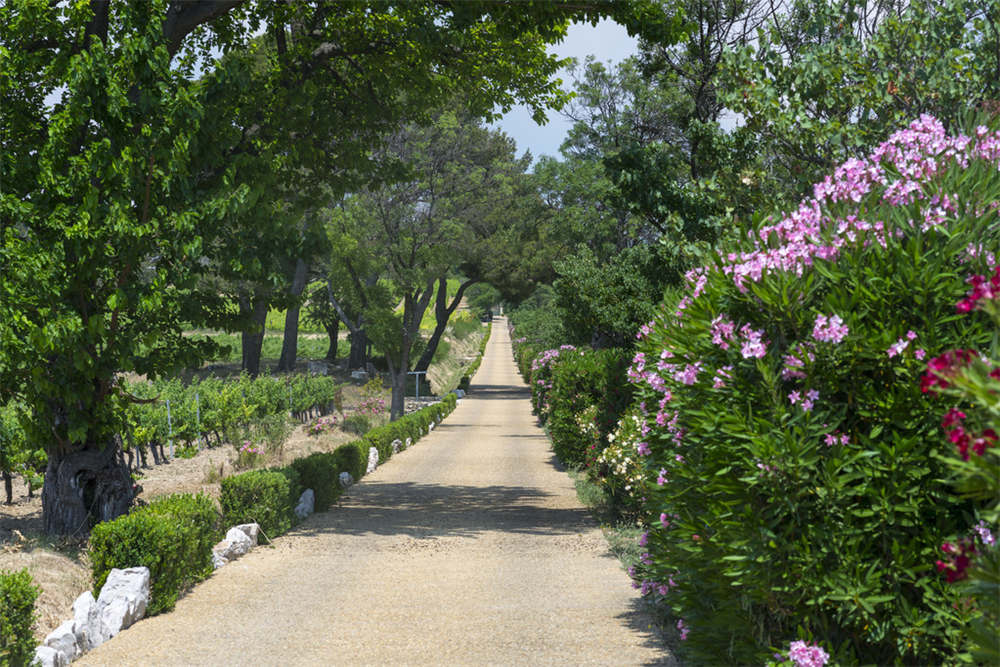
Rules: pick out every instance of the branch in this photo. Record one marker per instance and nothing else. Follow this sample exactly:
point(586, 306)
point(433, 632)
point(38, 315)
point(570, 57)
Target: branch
point(183, 17)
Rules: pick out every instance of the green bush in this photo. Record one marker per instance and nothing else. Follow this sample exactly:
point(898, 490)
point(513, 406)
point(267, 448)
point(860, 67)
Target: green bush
point(352, 458)
point(319, 472)
point(580, 380)
point(172, 536)
point(794, 479)
point(17, 616)
point(356, 424)
point(267, 497)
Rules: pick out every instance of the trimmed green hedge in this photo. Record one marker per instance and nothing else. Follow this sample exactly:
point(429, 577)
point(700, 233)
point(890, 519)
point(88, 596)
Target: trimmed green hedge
point(17, 614)
point(172, 536)
point(318, 472)
point(267, 497)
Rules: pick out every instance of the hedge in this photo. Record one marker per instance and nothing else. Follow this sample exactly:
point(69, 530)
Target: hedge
point(17, 614)
point(172, 536)
point(318, 472)
point(269, 496)
point(265, 497)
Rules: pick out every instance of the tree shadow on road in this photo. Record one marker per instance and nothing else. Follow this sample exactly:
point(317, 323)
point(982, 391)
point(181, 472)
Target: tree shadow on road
point(428, 511)
point(639, 618)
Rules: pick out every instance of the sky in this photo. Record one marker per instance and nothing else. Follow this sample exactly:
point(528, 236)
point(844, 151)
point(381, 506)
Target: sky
point(608, 42)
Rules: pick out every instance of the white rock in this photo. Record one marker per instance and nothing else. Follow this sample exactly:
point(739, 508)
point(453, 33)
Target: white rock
point(307, 504)
point(430, 427)
point(86, 622)
point(123, 600)
point(46, 656)
point(63, 640)
point(360, 376)
point(372, 460)
point(460, 393)
point(396, 446)
point(252, 531)
point(236, 544)
point(409, 442)
point(345, 479)
point(218, 561)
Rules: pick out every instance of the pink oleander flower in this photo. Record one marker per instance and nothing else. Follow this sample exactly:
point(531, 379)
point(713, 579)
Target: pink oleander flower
point(829, 329)
point(984, 533)
point(805, 655)
point(689, 375)
point(661, 478)
point(683, 629)
point(754, 346)
point(722, 331)
point(897, 347)
point(643, 449)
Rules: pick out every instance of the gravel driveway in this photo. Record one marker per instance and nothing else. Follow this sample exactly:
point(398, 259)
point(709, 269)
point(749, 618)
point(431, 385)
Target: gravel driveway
point(470, 548)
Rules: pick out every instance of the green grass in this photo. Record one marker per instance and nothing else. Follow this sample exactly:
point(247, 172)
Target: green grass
point(309, 348)
point(276, 322)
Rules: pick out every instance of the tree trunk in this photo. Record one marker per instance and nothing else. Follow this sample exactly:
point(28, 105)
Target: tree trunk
point(252, 342)
point(442, 313)
point(8, 486)
point(290, 340)
point(85, 486)
point(414, 306)
point(333, 331)
point(358, 357)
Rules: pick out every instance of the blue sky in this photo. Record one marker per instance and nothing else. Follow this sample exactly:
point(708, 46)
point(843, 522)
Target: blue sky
point(608, 42)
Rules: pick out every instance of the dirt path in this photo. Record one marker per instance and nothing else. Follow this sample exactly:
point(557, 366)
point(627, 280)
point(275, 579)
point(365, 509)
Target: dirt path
point(470, 548)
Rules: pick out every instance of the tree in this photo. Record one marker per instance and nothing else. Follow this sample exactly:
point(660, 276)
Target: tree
point(115, 200)
point(826, 81)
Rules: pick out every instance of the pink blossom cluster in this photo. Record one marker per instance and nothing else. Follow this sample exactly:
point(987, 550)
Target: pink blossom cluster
point(985, 534)
point(251, 449)
point(323, 424)
point(807, 402)
point(830, 329)
point(958, 558)
point(372, 405)
point(983, 289)
point(901, 344)
point(807, 655)
point(836, 438)
point(722, 331)
point(754, 346)
point(963, 439)
point(900, 166)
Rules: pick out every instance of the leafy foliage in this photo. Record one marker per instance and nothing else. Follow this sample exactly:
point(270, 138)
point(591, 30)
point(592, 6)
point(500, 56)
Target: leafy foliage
point(797, 486)
point(172, 536)
point(17, 616)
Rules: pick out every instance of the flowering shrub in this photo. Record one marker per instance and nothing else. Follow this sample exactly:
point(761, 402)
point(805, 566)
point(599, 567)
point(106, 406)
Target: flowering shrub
point(971, 559)
point(802, 492)
point(577, 380)
point(619, 467)
point(322, 425)
point(248, 455)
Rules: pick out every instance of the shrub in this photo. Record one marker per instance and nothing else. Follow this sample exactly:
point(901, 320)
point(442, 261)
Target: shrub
point(172, 536)
point(356, 424)
point(580, 380)
point(17, 616)
point(352, 458)
point(267, 497)
point(319, 472)
point(787, 429)
point(618, 468)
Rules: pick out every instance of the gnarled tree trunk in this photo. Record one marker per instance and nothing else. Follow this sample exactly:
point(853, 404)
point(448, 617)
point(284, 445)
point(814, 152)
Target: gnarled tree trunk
point(442, 313)
point(84, 486)
point(333, 331)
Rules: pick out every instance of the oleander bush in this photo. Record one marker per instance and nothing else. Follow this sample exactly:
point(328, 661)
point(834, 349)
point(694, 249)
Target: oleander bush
point(267, 497)
point(580, 380)
point(17, 616)
point(793, 473)
point(172, 536)
point(466, 381)
point(319, 472)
